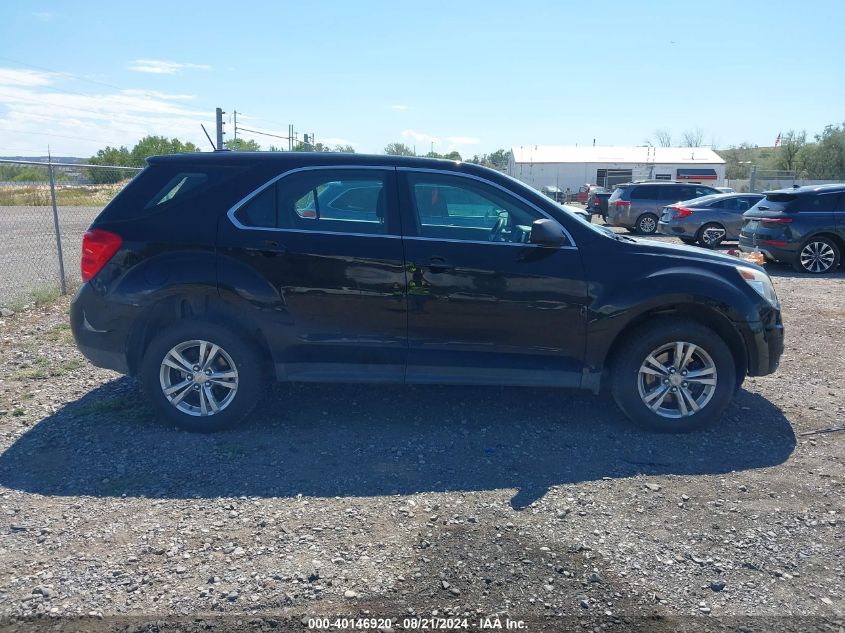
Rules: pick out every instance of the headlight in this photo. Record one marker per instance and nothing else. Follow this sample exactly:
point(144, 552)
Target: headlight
point(761, 282)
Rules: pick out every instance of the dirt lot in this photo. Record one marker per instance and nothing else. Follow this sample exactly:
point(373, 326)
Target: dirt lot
point(539, 505)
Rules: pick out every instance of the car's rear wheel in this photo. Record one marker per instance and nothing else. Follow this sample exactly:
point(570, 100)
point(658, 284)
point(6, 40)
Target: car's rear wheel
point(673, 375)
point(202, 376)
point(818, 256)
point(711, 235)
point(647, 224)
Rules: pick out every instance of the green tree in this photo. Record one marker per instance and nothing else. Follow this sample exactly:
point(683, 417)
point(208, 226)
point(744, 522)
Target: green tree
point(346, 149)
point(496, 160)
point(787, 155)
point(118, 156)
point(398, 149)
point(826, 159)
point(240, 144)
point(157, 145)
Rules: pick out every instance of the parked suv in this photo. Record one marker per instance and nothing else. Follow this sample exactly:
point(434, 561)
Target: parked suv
point(211, 274)
point(802, 226)
point(638, 205)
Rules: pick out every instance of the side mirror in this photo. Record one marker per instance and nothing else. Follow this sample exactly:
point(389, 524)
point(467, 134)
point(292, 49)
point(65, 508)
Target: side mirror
point(547, 233)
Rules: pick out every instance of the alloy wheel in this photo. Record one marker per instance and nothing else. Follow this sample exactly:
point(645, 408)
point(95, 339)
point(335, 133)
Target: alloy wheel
point(647, 224)
point(199, 378)
point(677, 379)
point(817, 257)
point(713, 236)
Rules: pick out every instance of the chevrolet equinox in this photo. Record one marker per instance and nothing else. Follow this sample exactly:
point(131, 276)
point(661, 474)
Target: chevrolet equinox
point(212, 273)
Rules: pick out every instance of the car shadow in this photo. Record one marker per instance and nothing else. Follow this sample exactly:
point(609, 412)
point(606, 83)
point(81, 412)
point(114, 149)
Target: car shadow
point(364, 440)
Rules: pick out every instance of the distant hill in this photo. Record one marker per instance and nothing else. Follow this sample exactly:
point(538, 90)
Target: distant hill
point(44, 159)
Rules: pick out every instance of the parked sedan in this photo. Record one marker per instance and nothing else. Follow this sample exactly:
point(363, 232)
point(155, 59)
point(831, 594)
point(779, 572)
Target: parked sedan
point(709, 220)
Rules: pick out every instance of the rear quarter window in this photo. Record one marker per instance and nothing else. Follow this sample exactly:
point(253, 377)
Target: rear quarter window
point(162, 187)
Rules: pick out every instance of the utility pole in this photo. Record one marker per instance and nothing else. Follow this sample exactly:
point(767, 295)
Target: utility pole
point(290, 137)
point(219, 118)
point(753, 183)
point(235, 113)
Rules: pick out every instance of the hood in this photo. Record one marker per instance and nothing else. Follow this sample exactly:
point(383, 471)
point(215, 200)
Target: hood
point(692, 253)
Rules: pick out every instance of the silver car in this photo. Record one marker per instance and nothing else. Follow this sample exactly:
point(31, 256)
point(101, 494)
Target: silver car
point(709, 220)
point(638, 205)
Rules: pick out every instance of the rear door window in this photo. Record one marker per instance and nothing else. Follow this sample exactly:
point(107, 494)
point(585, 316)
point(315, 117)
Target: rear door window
point(646, 192)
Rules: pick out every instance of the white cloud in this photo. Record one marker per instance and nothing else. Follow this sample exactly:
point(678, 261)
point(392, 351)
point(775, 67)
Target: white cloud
point(162, 67)
point(400, 106)
point(420, 137)
point(463, 140)
point(77, 124)
point(331, 141)
point(43, 16)
point(155, 94)
point(27, 78)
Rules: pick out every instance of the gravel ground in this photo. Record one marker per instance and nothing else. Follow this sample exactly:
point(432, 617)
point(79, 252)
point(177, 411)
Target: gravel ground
point(539, 505)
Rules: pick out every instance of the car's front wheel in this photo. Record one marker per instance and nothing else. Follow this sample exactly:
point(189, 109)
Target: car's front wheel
point(202, 376)
point(818, 256)
point(673, 375)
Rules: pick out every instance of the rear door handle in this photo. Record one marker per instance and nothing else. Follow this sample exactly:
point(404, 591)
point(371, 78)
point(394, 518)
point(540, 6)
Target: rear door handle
point(271, 248)
point(438, 265)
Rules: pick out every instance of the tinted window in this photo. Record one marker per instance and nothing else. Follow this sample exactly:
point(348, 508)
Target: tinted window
point(645, 192)
point(179, 185)
point(677, 192)
point(260, 211)
point(350, 201)
point(823, 202)
point(704, 191)
point(451, 207)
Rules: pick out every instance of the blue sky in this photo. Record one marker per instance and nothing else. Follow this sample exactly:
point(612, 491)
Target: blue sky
point(472, 76)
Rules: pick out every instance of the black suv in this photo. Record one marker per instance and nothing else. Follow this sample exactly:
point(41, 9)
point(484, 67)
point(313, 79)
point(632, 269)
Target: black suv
point(802, 226)
point(639, 205)
point(210, 274)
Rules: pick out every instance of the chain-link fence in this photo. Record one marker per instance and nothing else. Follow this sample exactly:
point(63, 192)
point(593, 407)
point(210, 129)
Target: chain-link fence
point(44, 211)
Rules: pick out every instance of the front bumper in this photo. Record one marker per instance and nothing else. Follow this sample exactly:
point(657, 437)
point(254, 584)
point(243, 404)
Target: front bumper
point(764, 341)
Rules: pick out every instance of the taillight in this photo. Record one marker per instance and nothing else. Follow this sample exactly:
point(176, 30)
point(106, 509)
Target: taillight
point(772, 220)
point(98, 247)
point(682, 212)
point(623, 203)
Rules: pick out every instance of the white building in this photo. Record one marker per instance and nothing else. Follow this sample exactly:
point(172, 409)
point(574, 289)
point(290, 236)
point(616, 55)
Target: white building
point(566, 166)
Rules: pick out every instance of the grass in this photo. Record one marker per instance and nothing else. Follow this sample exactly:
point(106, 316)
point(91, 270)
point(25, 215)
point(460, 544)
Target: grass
point(129, 408)
point(39, 195)
point(41, 368)
point(42, 296)
point(18, 412)
point(60, 334)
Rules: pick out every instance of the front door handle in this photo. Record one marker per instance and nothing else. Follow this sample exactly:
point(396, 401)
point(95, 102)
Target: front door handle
point(438, 265)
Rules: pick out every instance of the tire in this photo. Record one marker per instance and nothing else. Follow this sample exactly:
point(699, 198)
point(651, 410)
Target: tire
point(647, 224)
point(238, 389)
point(711, 235)
point(818, 255)
point(631, 387)
point(689, 241)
